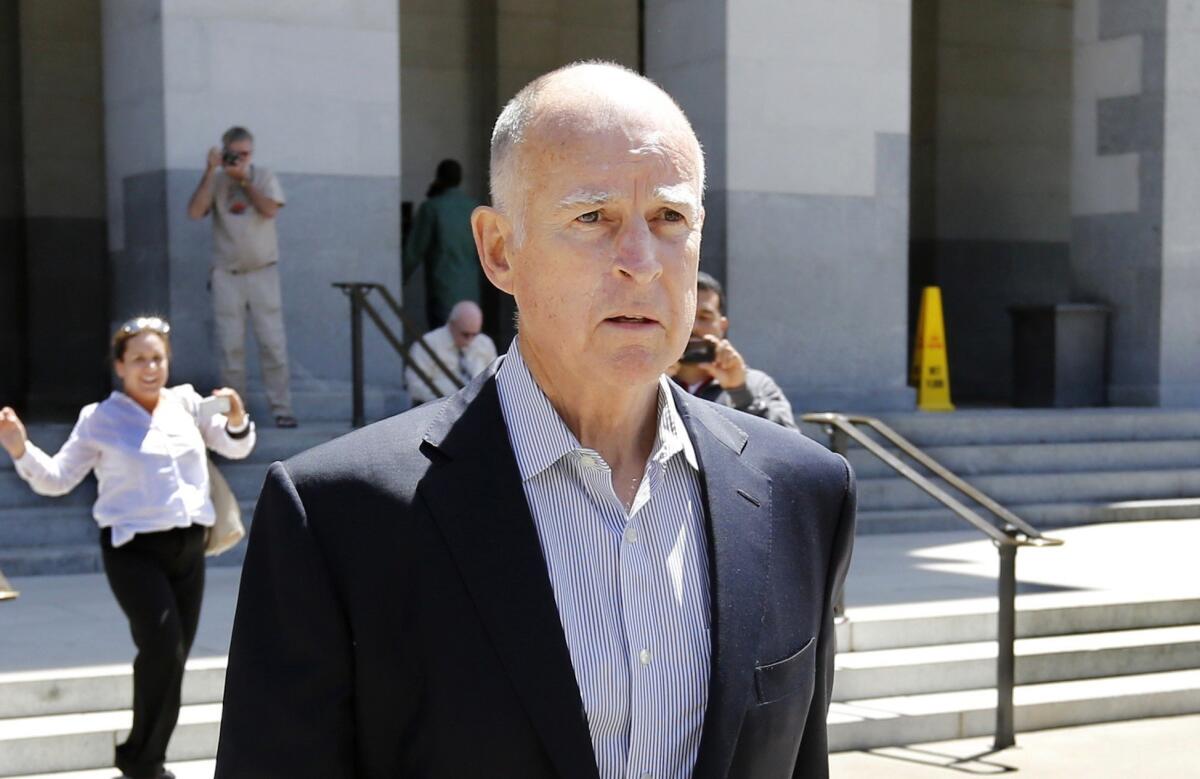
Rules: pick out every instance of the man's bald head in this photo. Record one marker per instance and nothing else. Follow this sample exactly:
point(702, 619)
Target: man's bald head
point(466, 313)
point(582, 96)
point(464, 323)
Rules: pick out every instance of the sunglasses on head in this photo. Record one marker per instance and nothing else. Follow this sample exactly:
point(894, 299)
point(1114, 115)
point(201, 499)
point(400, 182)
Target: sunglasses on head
point(141, 323)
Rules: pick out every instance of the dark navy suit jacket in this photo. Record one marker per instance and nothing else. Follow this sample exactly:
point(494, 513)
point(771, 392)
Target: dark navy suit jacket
point(396, 619)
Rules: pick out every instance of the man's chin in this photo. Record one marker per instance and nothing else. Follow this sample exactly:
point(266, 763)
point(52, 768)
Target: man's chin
point(636, 366)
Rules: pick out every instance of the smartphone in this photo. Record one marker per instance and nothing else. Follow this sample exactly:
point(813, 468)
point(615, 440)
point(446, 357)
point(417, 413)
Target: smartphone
point(216, 404)
point(699, 350)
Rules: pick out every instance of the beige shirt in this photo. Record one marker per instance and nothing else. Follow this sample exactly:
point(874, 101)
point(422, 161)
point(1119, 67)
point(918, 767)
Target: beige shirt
point(244, 239)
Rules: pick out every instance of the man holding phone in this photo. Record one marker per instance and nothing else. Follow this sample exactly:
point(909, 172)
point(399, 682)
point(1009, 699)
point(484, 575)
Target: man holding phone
point(243, 199)
point(711, 368)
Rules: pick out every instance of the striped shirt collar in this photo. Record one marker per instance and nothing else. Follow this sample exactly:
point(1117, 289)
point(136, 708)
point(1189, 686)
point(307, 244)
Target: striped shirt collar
point(545, 439)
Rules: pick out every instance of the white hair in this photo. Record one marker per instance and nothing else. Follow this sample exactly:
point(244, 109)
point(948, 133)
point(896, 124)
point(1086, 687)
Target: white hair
point(512, 125)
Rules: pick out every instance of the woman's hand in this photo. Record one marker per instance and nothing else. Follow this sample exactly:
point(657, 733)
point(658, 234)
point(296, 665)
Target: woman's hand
point(237, 410)
point(12, 433)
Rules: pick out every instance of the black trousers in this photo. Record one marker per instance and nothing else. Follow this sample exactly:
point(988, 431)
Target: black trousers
point(158, 579)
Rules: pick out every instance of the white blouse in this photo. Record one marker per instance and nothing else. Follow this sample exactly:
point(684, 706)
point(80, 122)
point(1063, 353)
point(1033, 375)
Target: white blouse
point(152, 469)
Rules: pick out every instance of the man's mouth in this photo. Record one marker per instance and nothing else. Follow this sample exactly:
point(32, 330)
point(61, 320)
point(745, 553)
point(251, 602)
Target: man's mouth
point(632, 320)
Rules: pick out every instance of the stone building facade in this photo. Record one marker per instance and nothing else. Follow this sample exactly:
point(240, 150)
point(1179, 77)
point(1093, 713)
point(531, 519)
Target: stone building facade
point(1011, 151)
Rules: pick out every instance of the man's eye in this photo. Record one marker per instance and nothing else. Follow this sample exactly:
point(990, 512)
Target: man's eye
point(591, 217)
point(672, 215)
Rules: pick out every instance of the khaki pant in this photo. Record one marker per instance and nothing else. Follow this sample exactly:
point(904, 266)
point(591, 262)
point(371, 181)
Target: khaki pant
point(256, 292)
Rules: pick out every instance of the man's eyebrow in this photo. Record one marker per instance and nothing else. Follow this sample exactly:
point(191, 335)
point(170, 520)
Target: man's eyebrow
point(585, 197)
point(678, 196)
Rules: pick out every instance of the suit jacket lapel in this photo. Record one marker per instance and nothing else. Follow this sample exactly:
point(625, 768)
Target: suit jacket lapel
point(473, 490)
point(738, 499)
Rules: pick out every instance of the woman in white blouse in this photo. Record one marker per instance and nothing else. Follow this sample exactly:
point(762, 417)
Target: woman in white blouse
point(146, 444)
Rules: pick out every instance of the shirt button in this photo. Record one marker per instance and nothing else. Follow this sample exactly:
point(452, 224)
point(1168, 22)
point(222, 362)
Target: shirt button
point(644, 656)
point(631, 534)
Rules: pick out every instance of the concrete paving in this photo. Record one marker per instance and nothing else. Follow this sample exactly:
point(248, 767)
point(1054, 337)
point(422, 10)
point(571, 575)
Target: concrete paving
point(1161, 748)
point(1130, 561)
point(71, 621)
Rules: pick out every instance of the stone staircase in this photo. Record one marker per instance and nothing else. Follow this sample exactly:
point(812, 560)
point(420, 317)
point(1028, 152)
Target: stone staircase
point(911, 675)
point(1053, 468)
point(907, 675)
point(40, 535)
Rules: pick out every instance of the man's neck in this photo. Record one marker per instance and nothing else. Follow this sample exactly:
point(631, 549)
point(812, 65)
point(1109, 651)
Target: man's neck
point(618, 422)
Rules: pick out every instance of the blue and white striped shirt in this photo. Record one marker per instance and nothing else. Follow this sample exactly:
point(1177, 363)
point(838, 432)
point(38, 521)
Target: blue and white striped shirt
point(631, 588)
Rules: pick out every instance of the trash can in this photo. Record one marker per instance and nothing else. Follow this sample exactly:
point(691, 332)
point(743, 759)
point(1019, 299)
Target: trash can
point(1059, 355)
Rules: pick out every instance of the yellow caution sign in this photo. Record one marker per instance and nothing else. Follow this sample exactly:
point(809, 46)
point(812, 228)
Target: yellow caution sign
point(930, 369)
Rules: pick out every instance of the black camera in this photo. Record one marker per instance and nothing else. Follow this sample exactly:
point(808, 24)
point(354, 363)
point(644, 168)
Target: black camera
point(230, 157)
point(699, 350)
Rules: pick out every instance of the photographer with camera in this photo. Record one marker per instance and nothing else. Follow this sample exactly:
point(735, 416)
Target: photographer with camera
point(244, 199)
point(711, 368)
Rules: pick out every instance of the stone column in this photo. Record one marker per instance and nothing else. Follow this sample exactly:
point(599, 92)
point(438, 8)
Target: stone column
point(803, 109)
point(13, 347)
point(318, 85)
point(62, 141)
point(1180, 368)
point(1136, 191)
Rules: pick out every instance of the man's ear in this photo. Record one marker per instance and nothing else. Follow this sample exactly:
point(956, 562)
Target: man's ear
point(724, 325)
point(493, 241)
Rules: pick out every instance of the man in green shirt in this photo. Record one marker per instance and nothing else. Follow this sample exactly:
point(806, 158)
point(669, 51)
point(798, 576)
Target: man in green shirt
point(442, 241)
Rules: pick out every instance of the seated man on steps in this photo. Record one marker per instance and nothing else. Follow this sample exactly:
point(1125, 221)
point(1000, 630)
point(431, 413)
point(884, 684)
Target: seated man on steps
point(460, 346)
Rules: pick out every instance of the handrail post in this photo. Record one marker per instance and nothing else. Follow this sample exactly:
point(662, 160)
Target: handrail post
point(1006, 636)
point(356, 355)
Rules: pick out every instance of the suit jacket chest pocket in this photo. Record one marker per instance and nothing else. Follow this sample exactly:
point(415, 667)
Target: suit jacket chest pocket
point(794, 675)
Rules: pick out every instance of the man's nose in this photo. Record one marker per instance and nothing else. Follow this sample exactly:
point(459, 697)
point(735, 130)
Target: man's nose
point(636, 255)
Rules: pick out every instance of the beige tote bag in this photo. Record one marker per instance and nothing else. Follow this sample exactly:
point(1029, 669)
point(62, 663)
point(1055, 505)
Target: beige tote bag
point(228, 529)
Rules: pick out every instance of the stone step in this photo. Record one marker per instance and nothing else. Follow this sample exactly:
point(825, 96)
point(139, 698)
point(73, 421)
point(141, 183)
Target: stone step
point(183, 769)
point(41, 526)
point(332, 401)
point(1016, 489)
point(272, 443)
point(1043, 516)
point(996, 426)
point(245, 479)
point(989, 459)
point(929, 624)
point(68, 742)
point(84, 556)
point(275, 444)
point(950, 667)
point(16, 493)
point(98, 688)
point(912, 719)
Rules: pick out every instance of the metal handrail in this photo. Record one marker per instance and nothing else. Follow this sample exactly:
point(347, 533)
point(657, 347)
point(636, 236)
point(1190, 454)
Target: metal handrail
point(358, 291)
point(1008, 538)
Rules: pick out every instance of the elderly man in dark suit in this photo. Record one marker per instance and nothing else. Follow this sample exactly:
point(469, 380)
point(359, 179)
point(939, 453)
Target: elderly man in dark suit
point(571, 568)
